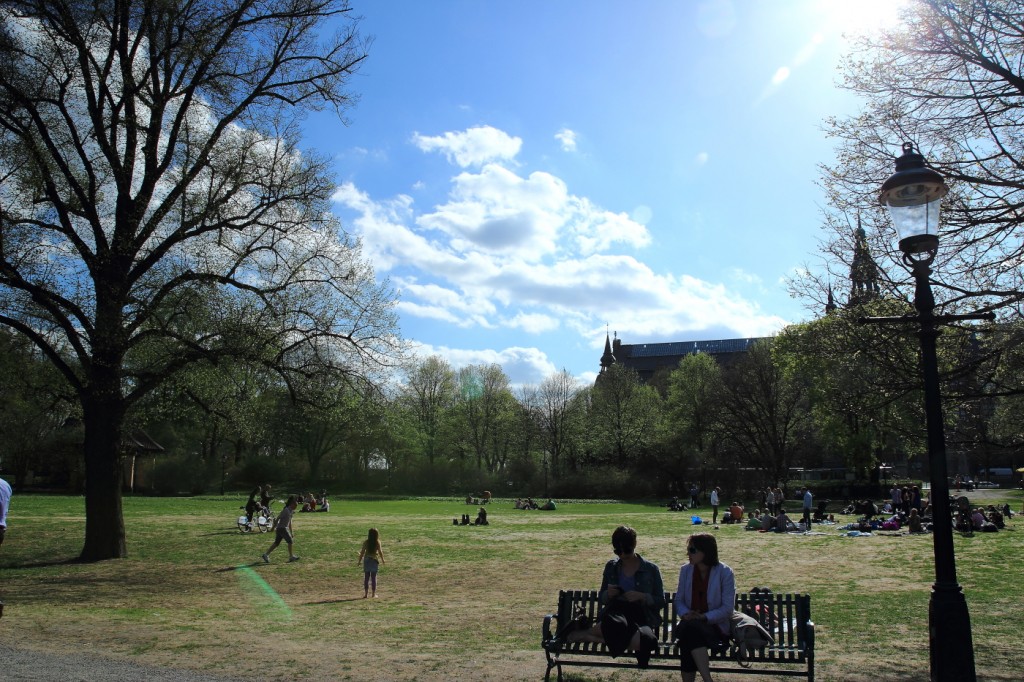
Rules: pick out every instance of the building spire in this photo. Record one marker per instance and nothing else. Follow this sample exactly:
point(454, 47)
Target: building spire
point(607, 359)
point(864, 272)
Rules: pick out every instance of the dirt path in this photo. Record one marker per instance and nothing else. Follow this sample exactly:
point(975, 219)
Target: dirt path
point(20, 665)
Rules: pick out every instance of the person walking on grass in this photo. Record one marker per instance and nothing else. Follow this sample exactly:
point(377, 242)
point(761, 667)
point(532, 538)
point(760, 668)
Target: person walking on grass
point(283, 525)
point(371, 555)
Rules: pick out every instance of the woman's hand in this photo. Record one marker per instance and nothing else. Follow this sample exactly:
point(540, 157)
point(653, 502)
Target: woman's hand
point(613, 591)
point(693, 615)
point(634, 595)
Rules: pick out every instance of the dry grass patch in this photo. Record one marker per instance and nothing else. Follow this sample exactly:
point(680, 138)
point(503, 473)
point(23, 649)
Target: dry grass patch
point(455, 602)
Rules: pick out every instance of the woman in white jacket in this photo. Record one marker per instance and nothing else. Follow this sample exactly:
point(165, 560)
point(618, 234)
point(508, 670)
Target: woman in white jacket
point(704, 603)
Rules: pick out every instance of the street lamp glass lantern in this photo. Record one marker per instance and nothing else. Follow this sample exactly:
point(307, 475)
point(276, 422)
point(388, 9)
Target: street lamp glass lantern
point(913, 195)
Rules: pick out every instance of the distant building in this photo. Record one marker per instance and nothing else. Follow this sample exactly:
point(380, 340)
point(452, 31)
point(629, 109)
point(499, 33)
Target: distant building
point(646, 359)
point(864, 274)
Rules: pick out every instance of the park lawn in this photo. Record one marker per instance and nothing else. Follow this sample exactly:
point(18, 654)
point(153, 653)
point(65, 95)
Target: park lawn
point(456, 602)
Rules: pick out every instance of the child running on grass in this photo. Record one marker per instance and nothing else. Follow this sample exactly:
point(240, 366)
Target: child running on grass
point(283, 524)
point(371, 555)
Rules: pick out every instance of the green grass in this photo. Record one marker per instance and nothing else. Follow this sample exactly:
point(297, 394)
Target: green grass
point(456, 602)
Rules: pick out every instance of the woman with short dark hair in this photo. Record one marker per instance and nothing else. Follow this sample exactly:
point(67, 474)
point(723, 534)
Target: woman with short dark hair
point(632, 598)
point(704, 603)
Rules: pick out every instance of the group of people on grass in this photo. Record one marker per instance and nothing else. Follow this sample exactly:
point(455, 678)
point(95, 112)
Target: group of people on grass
point(766, 521)
point(528, 503)
point(772, 502)
point(315, 503)
point(483, 498)
point(480, 520)
point(774, 516)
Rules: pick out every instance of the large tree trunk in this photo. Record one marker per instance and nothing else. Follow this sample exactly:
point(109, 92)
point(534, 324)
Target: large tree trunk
point(104, 521)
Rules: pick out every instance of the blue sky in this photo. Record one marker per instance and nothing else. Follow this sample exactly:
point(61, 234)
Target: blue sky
point(529, 174)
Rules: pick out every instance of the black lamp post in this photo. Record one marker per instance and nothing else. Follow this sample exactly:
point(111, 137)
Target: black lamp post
point(913, 195)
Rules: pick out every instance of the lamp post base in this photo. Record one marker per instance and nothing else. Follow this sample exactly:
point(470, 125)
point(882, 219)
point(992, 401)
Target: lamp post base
point(949, 635)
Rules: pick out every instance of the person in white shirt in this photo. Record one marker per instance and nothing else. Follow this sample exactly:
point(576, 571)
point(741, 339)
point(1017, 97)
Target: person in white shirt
point(714, 504)
point(5, 501)
point(808, 503)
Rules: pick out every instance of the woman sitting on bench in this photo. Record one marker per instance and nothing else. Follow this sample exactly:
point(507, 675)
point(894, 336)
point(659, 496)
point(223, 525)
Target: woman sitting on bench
point(633, 596)
point(704, 602)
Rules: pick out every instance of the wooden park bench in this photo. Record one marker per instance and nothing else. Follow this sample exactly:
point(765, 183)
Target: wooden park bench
point(786, 616)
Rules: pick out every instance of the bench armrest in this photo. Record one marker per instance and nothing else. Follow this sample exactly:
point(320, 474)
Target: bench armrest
point(545, 631)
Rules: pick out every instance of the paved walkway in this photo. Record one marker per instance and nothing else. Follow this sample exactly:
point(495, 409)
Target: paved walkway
point(19, 665)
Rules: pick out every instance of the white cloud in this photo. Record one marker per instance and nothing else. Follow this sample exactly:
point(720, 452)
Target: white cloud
point(499, 213)
point(472, 147)
point(740, 275)
point(567, 138)
point(513, 251)
point(522, 365)
point(533, 323)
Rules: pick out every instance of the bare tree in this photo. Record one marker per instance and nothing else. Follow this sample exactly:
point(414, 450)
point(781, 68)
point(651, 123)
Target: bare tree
point(560, 415)
point(429, 392)
point(155, 211)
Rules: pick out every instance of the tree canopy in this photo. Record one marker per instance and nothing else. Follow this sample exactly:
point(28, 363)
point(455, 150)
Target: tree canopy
point(156, 211)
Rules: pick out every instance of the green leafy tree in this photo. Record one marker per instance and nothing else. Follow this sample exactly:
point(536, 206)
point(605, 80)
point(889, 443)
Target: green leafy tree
point(764, 412)
point(861, 382)
point(486, 416)
point(35, 404)
point(155, 211)
point(692, 417)
point(624, 415)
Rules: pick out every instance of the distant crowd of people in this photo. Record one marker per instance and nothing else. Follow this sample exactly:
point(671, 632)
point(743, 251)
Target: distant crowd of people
point(315, 503)
point(528, 503)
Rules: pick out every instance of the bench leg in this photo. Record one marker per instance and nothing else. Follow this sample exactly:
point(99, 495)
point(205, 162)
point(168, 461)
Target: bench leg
point(547, 673)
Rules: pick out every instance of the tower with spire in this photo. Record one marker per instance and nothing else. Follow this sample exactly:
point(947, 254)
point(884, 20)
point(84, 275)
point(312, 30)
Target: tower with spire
point(608, 358)
point(864, 272)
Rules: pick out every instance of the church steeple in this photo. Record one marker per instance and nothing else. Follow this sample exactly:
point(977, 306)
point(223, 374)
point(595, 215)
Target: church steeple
point(864, 273)
point(830, 306)
point(607, 359)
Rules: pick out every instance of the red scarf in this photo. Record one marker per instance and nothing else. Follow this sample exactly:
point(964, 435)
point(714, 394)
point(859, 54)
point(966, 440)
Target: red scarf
point(699, 595)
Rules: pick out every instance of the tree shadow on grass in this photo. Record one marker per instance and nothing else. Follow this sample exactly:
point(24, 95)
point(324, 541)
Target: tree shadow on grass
point(335, 601)
point(70, 561)
point(228, 569)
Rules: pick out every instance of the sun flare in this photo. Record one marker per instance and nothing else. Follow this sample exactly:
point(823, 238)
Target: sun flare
point(864, 17)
